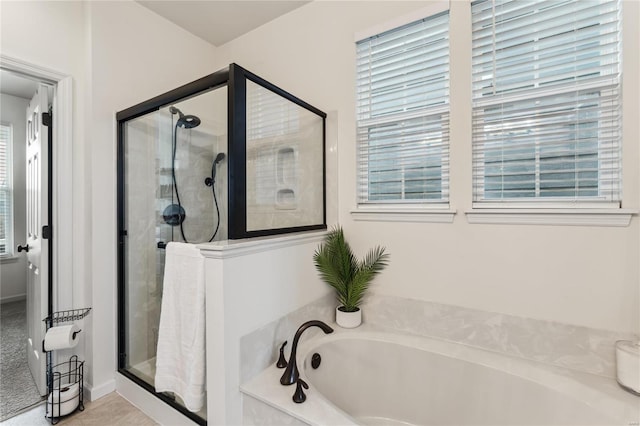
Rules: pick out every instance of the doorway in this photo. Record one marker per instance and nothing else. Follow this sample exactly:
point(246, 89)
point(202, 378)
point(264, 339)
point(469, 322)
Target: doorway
point(25, 208)
point(56, 290)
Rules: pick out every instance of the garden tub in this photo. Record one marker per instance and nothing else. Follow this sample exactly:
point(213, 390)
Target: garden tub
point(370, 377)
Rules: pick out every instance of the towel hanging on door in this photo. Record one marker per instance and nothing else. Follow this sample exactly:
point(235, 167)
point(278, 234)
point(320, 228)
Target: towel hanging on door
point(180, 359)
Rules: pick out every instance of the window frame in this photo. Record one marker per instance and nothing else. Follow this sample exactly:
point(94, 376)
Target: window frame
point(411, 210)
point(538, 204)
point(8, 189)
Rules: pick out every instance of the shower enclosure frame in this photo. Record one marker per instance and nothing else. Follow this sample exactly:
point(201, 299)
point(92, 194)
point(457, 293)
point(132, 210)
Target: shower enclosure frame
point(235, 78)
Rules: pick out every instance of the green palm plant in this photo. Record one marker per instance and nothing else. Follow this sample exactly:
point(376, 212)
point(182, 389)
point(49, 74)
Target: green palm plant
point(340, 268)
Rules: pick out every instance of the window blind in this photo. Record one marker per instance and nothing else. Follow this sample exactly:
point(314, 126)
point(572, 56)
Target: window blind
point(269, 114)
point(6, 210)
point(546, 101)
point(402, 95)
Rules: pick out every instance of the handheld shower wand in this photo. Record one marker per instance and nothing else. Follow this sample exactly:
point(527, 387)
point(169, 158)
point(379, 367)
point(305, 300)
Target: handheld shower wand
point(212, 179)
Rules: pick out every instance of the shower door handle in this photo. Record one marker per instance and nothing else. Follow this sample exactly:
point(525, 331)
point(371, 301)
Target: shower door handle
point(162, 245)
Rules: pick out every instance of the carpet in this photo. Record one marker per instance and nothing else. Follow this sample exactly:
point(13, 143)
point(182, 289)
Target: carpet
point(17, 388)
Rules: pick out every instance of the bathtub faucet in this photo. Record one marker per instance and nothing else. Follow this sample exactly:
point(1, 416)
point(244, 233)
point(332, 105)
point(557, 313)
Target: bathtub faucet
point(291, 373)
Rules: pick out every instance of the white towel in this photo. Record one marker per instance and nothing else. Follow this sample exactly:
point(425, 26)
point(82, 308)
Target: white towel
point(180, 362)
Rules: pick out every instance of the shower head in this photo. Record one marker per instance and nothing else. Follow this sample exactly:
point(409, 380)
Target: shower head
point(219, 158)
point(189, 121)
point(186, 121)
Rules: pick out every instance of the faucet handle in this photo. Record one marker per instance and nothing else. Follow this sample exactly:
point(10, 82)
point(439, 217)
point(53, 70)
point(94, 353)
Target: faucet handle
point(282, 362)
point(299, 397)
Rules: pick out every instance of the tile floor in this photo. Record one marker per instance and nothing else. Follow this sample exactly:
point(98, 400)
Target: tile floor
point(110, 410)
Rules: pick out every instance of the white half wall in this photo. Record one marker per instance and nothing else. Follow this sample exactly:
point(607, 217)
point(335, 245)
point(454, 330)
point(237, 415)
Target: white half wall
point(582, 275)
point(13, 271)
point(250, 283)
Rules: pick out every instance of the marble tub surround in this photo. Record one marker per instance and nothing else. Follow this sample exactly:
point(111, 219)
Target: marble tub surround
point(598, 393)
point(259, 349)
point(572, 360)
point(256, 412)
point(577, 348)
point(270, 403)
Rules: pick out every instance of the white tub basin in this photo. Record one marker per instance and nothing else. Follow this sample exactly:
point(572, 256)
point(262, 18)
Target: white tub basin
point(373, 378)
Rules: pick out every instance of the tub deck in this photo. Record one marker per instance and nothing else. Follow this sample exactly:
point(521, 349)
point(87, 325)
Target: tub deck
point(603, 400)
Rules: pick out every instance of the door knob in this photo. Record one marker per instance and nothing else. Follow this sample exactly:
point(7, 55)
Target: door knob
point(23, 248)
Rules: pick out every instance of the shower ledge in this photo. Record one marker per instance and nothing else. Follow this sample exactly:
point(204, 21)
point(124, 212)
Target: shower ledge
point(233, 248)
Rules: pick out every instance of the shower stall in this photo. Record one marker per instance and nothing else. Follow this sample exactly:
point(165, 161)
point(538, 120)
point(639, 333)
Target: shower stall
point(228, 156)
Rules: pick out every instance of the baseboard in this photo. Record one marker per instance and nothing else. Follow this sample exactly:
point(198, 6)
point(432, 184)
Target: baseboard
point(9, 299)
point(149, 404)
point(91, 393)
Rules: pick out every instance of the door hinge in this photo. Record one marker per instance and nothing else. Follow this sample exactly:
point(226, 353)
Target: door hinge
point(46, 232)
point(47, 118)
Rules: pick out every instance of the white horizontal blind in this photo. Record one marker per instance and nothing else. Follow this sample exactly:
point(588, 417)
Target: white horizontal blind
point(546, 101)
point(403, 114)
point(6, 198)
point(269, 114)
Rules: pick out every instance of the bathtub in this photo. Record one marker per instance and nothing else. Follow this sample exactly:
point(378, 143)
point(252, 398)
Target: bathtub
point(368, 377)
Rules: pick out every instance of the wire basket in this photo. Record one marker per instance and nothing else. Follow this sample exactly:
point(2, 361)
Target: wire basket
point(66, 316)
point(65, 389)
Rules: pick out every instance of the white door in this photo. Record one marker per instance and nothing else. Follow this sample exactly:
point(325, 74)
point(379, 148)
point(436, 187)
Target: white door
point(38, 249)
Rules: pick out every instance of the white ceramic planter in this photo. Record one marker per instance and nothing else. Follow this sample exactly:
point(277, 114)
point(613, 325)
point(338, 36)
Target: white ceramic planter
point(348, 319)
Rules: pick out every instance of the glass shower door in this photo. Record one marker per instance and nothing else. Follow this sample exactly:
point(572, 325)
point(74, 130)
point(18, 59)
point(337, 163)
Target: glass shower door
point(175, 189)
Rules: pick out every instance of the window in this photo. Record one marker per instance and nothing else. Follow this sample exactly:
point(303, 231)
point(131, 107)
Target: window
point(546, 102)
point(403, 114)
point(6, 196)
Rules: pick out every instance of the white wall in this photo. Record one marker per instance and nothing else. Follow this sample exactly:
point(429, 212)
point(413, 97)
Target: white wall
point(13, 272)
point(574, 274)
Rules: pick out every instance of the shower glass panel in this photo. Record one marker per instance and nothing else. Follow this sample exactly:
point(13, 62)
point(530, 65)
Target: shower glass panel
point(284, 174)
point(175, 188)
point(226, 156)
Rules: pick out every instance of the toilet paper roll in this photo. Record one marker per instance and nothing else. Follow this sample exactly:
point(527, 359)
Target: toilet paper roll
point(61, 337)
point(628, 365)
point(63, 401)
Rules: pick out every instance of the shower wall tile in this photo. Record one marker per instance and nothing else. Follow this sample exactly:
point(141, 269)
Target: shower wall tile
point(284, 162)
point(141, 263)
point(259, 348)
point(574, 347)
point(194, 159)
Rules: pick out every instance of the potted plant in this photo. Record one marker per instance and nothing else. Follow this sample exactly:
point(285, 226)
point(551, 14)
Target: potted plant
point(350, 277)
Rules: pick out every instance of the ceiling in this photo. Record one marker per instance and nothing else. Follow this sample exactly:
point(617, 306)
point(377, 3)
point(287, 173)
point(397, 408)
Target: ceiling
point(218, 21)
point(16, 85)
